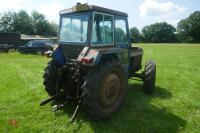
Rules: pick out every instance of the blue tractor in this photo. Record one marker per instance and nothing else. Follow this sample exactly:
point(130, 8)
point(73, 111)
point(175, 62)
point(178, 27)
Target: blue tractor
point(94, 60)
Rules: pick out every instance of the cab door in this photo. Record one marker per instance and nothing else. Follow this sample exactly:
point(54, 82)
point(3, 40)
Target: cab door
point(109, 31)
point(121, 32)
point(121, 39)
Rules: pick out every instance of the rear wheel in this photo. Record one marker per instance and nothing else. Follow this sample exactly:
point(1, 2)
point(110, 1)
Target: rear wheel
point(50, 78)
point(105, 89)
point(149, 77)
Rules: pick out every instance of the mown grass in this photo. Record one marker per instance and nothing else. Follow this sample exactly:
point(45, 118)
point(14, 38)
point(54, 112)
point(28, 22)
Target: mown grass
point(174, 107)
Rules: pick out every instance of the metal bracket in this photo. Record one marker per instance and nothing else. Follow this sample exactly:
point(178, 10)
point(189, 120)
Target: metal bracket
point(75, 112)
point(59, 106)
point(48, 100)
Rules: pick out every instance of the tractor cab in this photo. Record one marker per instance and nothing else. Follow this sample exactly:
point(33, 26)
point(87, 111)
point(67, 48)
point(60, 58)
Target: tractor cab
point(91, 26)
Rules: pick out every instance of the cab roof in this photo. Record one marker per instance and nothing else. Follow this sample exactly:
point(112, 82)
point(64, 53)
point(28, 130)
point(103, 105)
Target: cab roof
point(94, 8)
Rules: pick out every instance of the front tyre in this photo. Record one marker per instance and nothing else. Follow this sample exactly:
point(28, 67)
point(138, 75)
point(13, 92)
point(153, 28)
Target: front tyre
point(149, 78)
point(105, 89)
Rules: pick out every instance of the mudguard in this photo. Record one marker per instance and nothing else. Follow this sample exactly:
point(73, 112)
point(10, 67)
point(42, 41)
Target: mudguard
point(58, 56)
point(93, 56)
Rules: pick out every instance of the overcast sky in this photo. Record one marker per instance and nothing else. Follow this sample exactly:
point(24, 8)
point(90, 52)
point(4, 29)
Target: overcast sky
point(141, 12)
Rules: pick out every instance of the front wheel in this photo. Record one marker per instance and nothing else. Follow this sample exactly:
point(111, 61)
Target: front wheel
point(105, 89)
point(149, 77)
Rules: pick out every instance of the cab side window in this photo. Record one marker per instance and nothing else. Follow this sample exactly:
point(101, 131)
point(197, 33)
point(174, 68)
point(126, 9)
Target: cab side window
point(102, 32)
point(121, 35)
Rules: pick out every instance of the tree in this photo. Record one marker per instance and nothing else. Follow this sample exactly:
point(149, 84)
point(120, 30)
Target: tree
point(189, 29)
point(135, 35)
point(23, 23)
point(39, 22)
point(159, 33)
point(7, 22)
point(52, 29)
point(43, 26)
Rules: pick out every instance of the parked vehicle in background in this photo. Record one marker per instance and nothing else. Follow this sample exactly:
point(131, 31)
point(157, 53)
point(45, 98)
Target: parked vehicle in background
point(36, 47)
point(9, 41)
point(6, 47)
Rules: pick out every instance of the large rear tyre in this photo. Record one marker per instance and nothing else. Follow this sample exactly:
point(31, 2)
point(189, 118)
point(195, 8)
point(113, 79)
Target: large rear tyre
point(149, 78)
point(50, 77)
point(105, 88)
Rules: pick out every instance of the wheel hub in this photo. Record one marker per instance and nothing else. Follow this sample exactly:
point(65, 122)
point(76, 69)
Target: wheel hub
point(111, 87)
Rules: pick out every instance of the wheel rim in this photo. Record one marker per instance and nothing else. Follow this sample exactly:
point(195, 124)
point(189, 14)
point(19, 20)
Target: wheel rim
point(110, 91)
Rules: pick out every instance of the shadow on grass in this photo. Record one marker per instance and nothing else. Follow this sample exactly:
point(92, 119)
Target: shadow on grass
point(138, 115)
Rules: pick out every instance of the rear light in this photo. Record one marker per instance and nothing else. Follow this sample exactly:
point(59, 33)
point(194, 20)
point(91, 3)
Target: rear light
point(86, 60)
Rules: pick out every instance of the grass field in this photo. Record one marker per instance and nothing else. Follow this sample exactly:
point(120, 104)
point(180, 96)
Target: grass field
point(174, 107)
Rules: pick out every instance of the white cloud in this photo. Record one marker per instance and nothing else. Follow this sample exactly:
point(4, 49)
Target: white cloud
point(152, 11)
point(11, 4)
point(51, 10)
point(154, 8)
point(81, 1)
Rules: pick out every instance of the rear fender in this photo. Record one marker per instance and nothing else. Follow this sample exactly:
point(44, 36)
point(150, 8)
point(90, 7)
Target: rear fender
point(58, 56)
point(95, 55)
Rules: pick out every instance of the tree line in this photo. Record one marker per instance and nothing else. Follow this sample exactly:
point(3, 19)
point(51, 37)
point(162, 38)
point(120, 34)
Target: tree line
point(188, 30)
point(22, 22)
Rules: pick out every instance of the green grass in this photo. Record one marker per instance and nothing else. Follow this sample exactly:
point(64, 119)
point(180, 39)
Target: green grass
point(174, 107)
